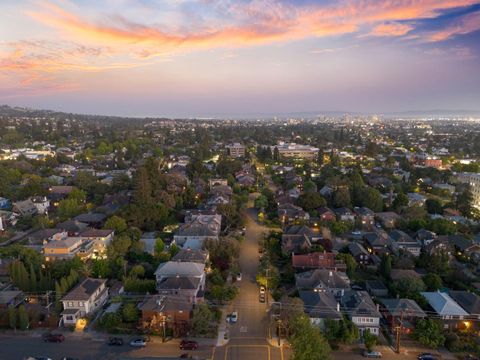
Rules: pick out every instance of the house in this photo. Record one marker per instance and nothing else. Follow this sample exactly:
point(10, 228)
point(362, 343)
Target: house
point(289, 213)
point(446, 308)
point(326, 214)
point(25, 208)
point(83, 299)
point(59, 192)
point(148, 239)
point(319, 306)
point(43, 236)
point(405, 309)
point(465, 246)
point(441, 245)
point(365, 217)
point(72, 227)
point(187, 287)
point(376, 288)
point(405, 242)
point(11, 298)
point(334, 282)
point(317, 260)
point(191, 255)
point(361, 255)
point(194, 234)
point(95, 220)
point(470, 302)
point(100, 237)
point(398, 274)
point(425, 237)
point(298, 239)
point(236, 150)
point(387, 219)
point(68, 248)
point(344, 214)
point(41, 203)
point(161, 312)
point(361, 310)
point(415, 199)
point(376, 242)
point(4, 203)
point(175, 269)
point(217, 182)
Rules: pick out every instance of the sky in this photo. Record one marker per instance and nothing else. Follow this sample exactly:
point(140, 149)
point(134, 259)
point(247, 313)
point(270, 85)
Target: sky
point(187, 58)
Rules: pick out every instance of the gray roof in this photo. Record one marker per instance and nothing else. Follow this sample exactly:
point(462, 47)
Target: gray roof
point(443, 304)
point(178, 283)
point(191, 255)
point(357, 249)
point(359, 303)
point(469, 301)
point(409, 307)
point(174, 268)
point(85, 289)
point(320, 304)
point(320, 278)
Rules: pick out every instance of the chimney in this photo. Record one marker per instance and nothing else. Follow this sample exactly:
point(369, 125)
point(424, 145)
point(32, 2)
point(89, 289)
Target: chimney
point(378, 307)
point(330, 273)
point(338, 306)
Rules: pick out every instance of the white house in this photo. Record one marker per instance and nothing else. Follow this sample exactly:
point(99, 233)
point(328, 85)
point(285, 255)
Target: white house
point(83, 300)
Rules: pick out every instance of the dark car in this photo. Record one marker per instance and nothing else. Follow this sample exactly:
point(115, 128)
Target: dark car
point(115, 341)
point(262, 298)
point(188, 345)
point(57, 338)
point(426, 356)
point(185, 356)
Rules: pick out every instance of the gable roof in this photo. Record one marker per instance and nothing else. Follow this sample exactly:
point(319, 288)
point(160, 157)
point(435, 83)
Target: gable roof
point(320, 304)
point(174, 268)
point(443, 304)
point(469, 301)
point(178, 283)
point(85, 289)
point(191, 255)
point(359, 303)
point(408, 307)
point(321, 278)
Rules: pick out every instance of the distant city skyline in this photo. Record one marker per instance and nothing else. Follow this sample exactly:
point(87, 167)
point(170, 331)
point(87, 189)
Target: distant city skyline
point(191, 58)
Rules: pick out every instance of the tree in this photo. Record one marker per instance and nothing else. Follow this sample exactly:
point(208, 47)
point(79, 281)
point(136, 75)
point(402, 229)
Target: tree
point(201, 319)
point(386, 266)
point(465, 202)
point(307, 342)
point(276, 154)
point(173, 250)
point(400, 201)
point(372, 199)
point(349, 261)
point(341, 197)
point(68, 208)
point(159, 246)
point(129, 313)
point(310, 201)
point(429, 332)
point(12, 317)
point(261, 202)
point(309, 187)
point(23, 319)
point(137, 271)
point(116, 223)
point(434, 206)
point(100, 268)
point(409, 287)
point(369, 340)
point(433, 282)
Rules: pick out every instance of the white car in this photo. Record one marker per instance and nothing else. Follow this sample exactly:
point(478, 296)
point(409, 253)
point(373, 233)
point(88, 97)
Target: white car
point(239, 277)
point(262, 289)
point(234, 317)
point(138, 342)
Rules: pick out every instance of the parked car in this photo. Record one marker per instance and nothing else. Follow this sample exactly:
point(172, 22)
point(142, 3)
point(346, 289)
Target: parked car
point(426, 356)
point(234, 317)
point(262, 297)
point(57, 338)
point(262, 289)
point(239, 277)
point(38, 358)
point(138, 342)
point(115, 341)
point(372, 354)
point(188, 345)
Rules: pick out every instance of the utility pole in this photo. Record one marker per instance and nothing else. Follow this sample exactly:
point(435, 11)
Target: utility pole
point(267, 271)
point(399, 332)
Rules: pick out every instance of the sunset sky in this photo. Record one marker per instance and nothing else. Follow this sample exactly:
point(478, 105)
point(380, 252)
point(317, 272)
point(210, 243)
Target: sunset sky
point(221, 57)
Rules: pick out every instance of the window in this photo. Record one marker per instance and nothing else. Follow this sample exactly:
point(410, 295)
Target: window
point(70, 304)
point(80, 303)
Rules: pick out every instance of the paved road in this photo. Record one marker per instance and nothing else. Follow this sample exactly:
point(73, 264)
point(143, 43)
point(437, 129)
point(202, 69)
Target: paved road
point(19, 347)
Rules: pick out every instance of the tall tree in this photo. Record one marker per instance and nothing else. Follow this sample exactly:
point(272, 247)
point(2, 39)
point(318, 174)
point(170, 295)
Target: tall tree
point(307, 342)
point(12, 317)
point(23, 320)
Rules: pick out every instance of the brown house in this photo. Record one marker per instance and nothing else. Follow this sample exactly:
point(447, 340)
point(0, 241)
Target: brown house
point(161, 312)
point(317, 260)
